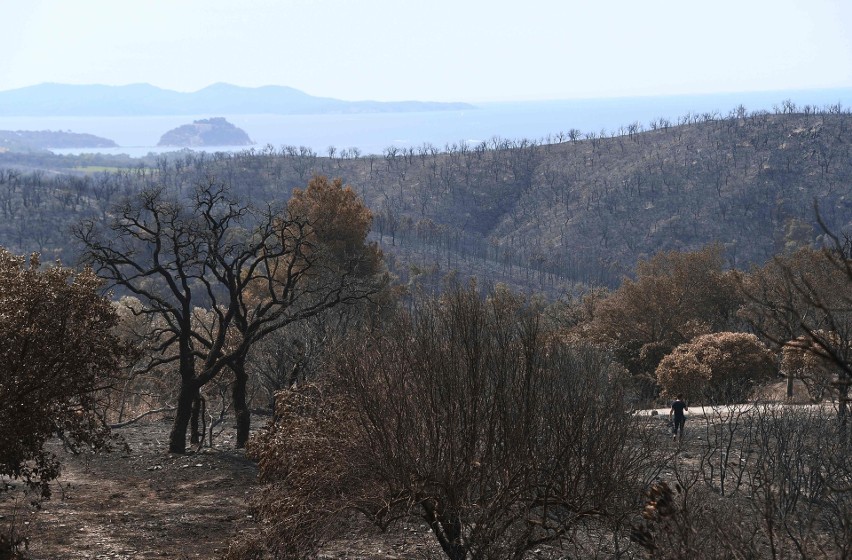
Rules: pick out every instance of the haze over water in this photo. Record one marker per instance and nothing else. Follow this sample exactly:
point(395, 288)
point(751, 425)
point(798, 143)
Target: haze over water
point(374, 132)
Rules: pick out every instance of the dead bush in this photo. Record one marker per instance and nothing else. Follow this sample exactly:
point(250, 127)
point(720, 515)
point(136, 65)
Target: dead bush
point(466, 412)
point(717, 367)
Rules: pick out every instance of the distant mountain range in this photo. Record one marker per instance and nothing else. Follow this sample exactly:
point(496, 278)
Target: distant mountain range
point(144, 99)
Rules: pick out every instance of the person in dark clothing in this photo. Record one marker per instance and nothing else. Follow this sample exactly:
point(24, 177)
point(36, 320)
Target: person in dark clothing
point(677, 415)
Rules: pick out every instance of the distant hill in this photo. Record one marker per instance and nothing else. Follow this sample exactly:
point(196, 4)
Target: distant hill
point(144, 99)
point(28, 140)
point(540, 217)
point(206, 132)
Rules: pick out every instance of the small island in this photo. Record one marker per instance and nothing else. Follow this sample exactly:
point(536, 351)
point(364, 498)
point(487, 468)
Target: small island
point(29, 140)
point(205, 133)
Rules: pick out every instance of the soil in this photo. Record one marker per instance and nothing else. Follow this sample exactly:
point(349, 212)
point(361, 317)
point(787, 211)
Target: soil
point(147, 503)
point(144, 503)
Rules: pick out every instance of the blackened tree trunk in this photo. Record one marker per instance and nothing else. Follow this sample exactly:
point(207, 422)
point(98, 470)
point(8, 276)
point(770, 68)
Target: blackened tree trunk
point(195, 435)
point(447, 529)
point(177, 437)
point(256, 269)
point(241, 409)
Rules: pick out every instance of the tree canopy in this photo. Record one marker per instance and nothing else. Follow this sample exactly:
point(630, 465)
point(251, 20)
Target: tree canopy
point(57, 352)
point(256, 269)
point(675, 297)
point(717, 367)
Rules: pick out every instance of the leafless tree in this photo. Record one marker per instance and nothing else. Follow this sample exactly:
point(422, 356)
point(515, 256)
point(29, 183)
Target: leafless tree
point(769, 482)
point(255, 269)
point(470, 414)
point(807, 304)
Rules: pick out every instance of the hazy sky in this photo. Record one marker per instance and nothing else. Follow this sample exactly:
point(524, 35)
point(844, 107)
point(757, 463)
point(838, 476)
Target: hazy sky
point(442, 50)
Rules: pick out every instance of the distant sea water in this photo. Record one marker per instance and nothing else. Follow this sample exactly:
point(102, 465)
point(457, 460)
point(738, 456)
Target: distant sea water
point(137, 136)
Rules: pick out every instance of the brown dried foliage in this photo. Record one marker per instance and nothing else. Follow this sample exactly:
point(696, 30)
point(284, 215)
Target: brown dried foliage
point(57, 354)
point(467, 413)
point(717, 367)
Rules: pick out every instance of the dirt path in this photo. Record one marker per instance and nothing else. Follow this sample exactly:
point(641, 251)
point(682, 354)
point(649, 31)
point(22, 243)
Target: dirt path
point(138, 505)
point(146, 503)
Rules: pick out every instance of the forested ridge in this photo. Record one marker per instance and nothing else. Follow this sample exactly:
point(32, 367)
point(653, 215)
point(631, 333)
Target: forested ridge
point(574, 208)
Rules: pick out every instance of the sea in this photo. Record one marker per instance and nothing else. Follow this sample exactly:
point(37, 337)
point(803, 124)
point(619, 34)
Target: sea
point(374, 133)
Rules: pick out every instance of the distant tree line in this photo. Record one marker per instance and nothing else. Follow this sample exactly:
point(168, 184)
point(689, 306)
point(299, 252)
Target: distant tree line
point(571, 210)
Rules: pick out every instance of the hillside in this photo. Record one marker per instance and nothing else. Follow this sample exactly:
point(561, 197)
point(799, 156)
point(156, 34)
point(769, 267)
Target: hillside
point(580, 209)
point(585, 209)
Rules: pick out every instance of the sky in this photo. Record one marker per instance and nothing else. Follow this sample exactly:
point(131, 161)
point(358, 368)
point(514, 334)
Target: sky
point(433, 50)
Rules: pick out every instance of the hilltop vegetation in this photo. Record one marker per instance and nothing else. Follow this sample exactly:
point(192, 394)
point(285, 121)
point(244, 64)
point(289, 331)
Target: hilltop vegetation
point(576, 208)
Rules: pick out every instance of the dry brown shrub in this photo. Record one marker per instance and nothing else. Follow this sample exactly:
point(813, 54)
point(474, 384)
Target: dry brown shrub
point(469, 414)
point(806, 361)
point(57, 354)
point(717, 367)
point(313, 474)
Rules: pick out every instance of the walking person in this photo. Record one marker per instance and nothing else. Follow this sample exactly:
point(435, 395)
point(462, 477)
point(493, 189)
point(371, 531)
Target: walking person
point(677, 414)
